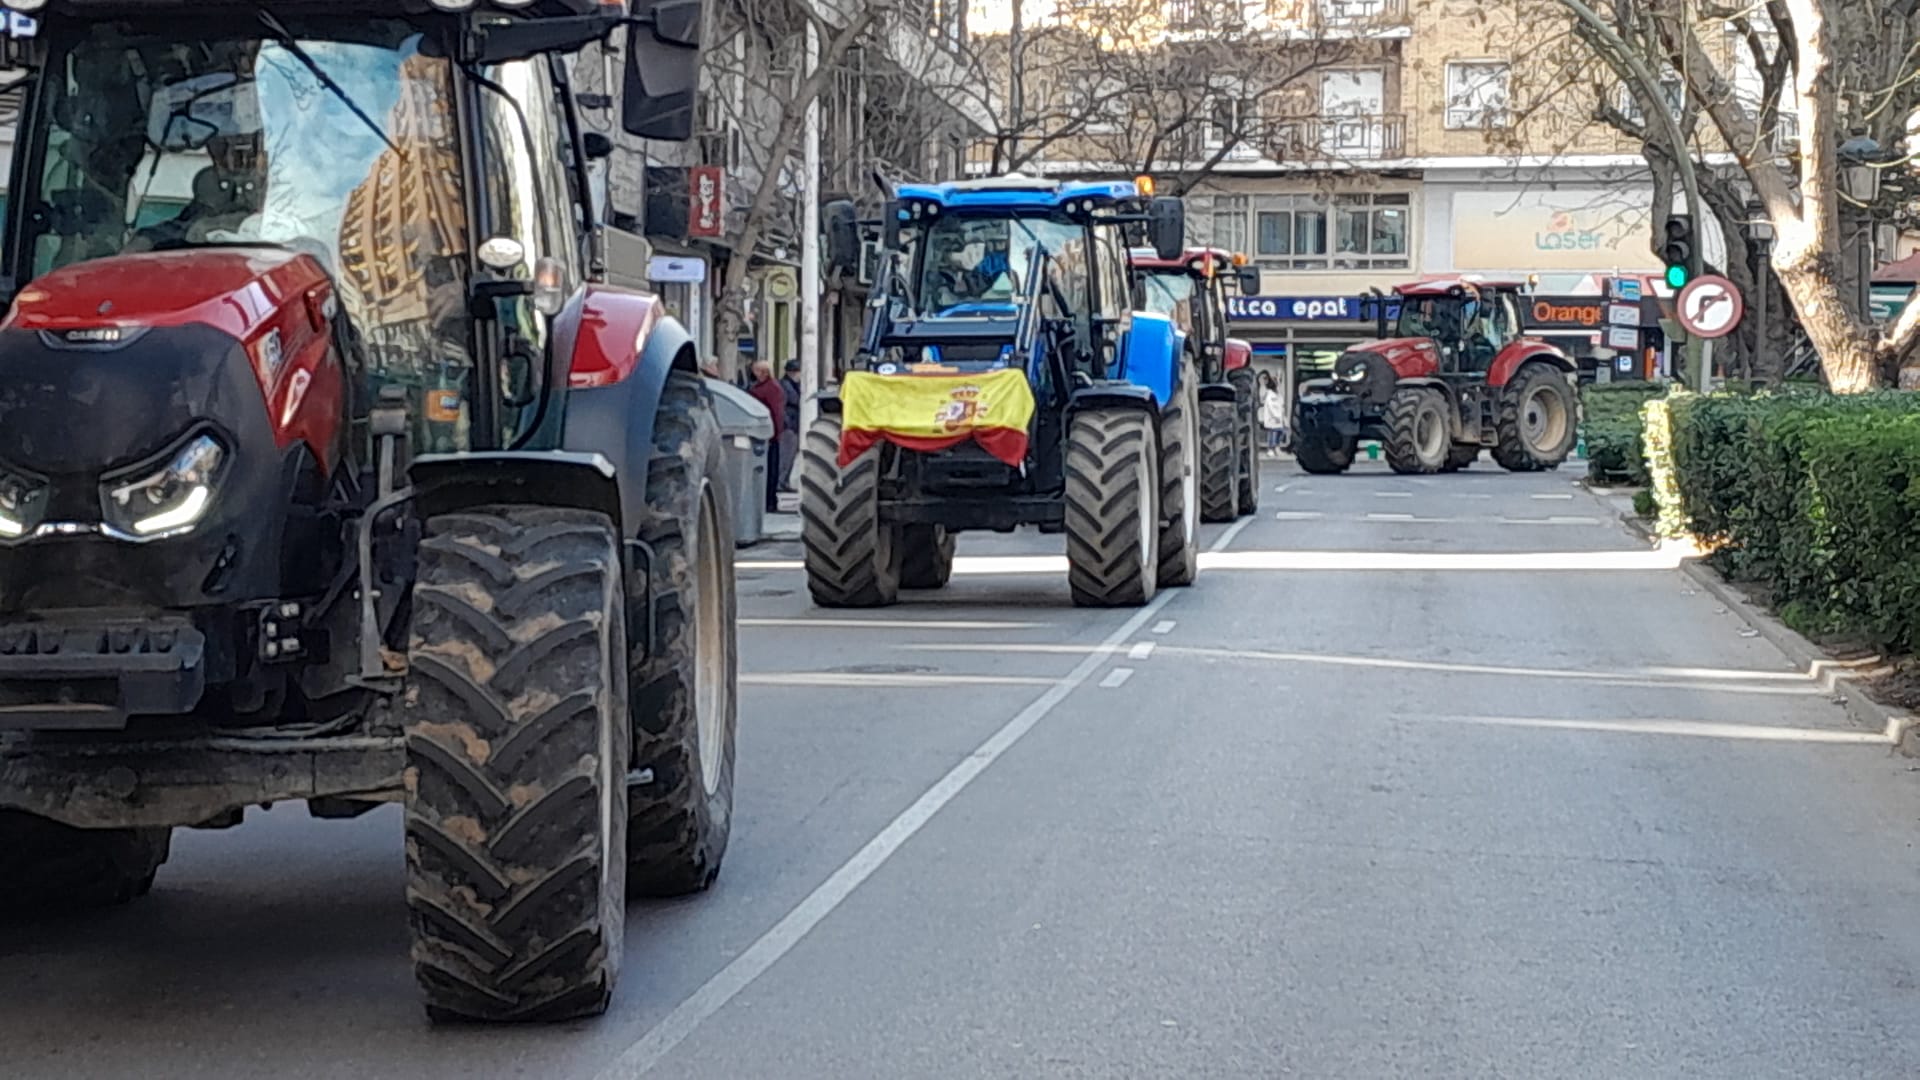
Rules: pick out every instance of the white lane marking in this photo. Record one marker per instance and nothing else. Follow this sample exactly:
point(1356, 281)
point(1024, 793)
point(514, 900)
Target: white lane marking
point(1559, 520)
point(1393, 494)
point(1141, 650)
point(894, 624)
point(1551, 495)
point(1164, 626)
point(1297, 515)
point(911, 680)
point(725, 985)
point(1389, 517)
point(1282, 489)
point(1117, 677)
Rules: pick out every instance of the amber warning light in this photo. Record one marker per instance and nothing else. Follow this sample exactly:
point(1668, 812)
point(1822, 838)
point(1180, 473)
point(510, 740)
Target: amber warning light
point(1143, 184)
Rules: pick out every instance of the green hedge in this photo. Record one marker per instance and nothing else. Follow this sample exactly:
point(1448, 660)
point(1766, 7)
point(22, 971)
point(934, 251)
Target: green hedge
point(1817, 497)
point(1610, 422)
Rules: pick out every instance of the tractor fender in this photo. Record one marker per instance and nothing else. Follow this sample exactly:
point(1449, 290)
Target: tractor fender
point(1114, 395)
point(1239, 354)
point(829, 401)
point(1217, 391)
point(1520, 353)
point(1152, 354)
point(619, 346)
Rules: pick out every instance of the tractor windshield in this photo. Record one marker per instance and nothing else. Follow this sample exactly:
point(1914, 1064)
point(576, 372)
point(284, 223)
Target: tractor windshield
point(971, 266)
point(1170, 293)
point(154, 139)
point(1437, 317)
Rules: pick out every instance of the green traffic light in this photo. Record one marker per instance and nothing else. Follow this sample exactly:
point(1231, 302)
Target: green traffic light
point(1676, 277)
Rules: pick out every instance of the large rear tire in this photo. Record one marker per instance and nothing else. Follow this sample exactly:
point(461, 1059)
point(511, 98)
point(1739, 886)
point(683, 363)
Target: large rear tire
point(1539, 421)
point(1112, 508)
point(1417, 438)
point(1219, 461)
point(1180, 486)
point(685, 706)
point(926, 556)
point(849, 554)
point(516, 723)
point(47, 868)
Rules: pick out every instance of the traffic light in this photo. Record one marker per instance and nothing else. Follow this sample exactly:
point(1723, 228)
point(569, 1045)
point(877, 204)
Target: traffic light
point(1677, 251)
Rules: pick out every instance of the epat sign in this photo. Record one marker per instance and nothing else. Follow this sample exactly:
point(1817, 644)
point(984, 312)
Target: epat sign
point(1281, 307)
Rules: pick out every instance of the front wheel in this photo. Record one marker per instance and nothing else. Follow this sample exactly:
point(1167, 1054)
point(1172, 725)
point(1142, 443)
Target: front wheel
point(1538, 422)
point(515, 714)
point(49, 868)
point(849, 553)
point(1112, 508)
point(1219, 461)
point(1324, 454)
point(926, 556)
point(1417, 437)
point(1180, 452)
point(1248, 435)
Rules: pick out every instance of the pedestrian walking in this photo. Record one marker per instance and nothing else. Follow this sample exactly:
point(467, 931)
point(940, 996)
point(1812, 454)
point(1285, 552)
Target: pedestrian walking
point(790, 439)
point(766, 390)
point(1273, 412)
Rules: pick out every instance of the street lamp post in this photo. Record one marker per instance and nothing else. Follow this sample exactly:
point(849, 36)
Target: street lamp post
point(1760, 233)
point(1860, 158)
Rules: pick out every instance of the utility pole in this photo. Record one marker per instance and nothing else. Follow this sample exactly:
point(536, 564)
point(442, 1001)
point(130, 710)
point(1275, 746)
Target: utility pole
point(810, 248)
point(1016, 84)
point(1627, 63)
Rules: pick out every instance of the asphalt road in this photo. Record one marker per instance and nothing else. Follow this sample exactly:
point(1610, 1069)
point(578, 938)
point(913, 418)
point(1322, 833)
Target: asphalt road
point(1435, 777)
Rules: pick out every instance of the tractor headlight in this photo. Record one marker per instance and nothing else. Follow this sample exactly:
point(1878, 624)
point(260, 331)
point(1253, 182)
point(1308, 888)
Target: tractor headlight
point(1355, 373)
point(23, 500)
point(170, 500)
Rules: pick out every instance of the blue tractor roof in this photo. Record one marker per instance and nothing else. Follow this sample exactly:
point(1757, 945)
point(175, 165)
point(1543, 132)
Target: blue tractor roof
point(1017, 192)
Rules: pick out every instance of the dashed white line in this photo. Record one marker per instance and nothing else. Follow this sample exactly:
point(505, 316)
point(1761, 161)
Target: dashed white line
point(1141, 650)
point(1551, 495)
point(1164, 626)
point(1297, 515)
point(1116, 677)
point(1389, 517)
point(1393, 494)
point(653, 1047)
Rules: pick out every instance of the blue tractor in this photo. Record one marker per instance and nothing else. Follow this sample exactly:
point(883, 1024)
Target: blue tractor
point(1001, 275)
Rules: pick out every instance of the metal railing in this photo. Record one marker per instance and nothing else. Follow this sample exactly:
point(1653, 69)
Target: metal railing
point(1339, 138)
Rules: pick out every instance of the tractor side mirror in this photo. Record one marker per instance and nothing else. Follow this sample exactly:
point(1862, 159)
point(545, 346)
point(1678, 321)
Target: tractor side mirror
point(843, 236)
point(1249, 280)
point(1167, 226)
point(662, 71)
point(890, 226)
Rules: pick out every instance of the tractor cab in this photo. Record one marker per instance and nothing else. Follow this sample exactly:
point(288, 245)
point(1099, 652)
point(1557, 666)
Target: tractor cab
point(1468, 323)
point(1193, 291)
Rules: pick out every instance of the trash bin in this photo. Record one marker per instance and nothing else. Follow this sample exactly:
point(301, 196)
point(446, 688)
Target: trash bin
point(747, 428)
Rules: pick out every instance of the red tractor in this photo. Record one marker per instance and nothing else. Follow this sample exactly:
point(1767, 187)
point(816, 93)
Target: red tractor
point(1455, 376)
point(1192, 290)
point(334, 472)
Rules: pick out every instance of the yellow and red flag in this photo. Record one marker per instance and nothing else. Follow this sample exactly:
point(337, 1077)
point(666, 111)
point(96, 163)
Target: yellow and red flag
point(934, 412)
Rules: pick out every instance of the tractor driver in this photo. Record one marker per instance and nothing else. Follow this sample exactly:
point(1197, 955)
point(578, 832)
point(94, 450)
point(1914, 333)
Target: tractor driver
point(976, 271)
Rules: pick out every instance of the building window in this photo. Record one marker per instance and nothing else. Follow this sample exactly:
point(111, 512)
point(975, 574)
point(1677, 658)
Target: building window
point(1206, 14)
point(1673, 90)
point(1349, 232)
point(1228, 117)
point(1230, 222)
point(1371, 231)
point(1479, 93)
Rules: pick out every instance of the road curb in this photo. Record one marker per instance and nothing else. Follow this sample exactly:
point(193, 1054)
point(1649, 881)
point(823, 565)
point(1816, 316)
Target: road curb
point(1839, 678)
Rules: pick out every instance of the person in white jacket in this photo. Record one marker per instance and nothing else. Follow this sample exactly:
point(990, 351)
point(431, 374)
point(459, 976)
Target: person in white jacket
point(1273, 412)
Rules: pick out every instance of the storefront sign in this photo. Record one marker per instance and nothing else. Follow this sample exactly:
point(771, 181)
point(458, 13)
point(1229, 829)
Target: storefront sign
point(1593, 229)
point(1565, 312)
point(1889, 301)
point(676, 268)
point(1623, 337)
point(1300, 308)
point(707, 195)
point(1623, 314)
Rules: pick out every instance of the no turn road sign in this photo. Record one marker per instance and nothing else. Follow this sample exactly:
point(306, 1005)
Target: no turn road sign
point(1710, 307)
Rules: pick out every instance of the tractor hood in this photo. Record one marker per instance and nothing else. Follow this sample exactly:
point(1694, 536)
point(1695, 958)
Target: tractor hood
point(106, 363)
point(1410, 357)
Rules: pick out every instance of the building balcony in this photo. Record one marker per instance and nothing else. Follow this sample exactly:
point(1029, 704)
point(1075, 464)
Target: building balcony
point(1339, 138)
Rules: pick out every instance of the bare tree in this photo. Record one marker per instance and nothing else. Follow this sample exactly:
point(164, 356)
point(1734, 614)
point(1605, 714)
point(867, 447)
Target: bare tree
point(1177, 90)
point(1821, 72)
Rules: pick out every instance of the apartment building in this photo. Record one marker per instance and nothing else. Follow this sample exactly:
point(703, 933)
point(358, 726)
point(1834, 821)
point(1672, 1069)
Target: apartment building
point(1406, 138)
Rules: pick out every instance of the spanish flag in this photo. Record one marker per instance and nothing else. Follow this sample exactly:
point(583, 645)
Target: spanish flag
point(934, 412)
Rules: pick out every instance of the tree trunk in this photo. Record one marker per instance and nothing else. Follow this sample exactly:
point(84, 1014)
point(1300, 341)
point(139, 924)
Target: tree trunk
point(1847, 345)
